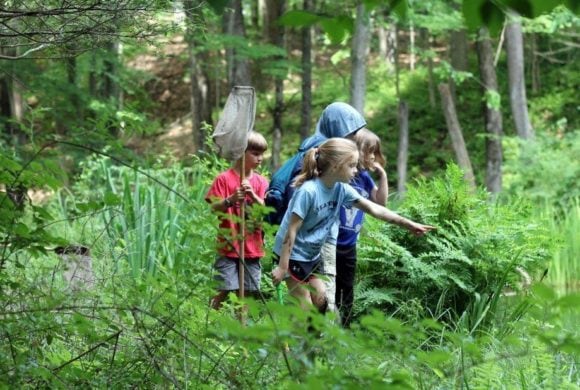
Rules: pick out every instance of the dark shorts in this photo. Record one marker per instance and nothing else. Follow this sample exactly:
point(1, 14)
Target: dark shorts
point(228, 274)
point(302, 271)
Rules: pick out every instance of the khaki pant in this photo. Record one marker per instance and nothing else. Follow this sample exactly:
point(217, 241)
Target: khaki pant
point(328, 256)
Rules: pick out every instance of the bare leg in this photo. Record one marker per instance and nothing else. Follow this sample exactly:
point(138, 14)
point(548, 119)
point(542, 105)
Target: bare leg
point(318, 296)
point(218, 299)
point(300, 292)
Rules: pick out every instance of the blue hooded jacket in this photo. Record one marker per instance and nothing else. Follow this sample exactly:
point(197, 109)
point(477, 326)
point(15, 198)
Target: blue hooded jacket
point(337, 120)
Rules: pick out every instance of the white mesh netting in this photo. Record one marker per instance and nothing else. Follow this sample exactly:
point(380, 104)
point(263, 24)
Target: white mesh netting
point(231, 133)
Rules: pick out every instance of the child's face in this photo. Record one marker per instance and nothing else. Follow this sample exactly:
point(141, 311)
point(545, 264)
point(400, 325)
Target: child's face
point(346, 172)
point(254, 158)
point(368, 159)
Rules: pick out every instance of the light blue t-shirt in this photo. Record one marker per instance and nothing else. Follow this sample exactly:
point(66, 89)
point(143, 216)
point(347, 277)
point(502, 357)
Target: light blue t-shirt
point(319, 208)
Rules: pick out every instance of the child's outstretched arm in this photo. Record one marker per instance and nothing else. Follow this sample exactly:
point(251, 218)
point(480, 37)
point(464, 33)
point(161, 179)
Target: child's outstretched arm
point(387, 215)
point(279, 272)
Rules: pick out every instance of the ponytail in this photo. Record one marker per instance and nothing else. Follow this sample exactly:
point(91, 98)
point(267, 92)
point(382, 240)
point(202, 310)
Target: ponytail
point(309, 168)
point(334, 152)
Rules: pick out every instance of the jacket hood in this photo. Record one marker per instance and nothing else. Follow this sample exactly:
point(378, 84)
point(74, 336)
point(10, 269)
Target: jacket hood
point(337, 120)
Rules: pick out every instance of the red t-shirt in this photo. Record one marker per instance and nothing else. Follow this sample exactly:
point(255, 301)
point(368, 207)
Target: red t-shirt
point(224, 185)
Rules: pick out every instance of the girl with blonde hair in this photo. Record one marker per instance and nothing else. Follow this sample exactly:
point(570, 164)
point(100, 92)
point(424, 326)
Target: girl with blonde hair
point(312, 214)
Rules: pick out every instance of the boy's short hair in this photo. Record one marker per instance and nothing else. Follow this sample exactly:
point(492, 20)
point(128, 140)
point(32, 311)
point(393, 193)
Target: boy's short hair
point(256, 142)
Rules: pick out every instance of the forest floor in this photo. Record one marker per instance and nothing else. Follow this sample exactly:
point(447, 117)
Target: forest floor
point(169, 88)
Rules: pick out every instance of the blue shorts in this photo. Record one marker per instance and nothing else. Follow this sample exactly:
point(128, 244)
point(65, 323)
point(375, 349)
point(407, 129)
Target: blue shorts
point(302, 271)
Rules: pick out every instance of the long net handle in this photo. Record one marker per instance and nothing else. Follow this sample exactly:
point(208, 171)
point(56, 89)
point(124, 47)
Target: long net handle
point(242, 238)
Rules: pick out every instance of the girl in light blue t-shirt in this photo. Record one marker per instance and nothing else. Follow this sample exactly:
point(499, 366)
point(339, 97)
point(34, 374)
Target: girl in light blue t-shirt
point(322, 188)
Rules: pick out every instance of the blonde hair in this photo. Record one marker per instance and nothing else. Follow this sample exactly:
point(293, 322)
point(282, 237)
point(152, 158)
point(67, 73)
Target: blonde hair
point(256, 142)
point(332, 153)
point(368, 144)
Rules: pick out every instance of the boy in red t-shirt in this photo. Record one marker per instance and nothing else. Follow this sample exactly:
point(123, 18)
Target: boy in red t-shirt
point(225, 196)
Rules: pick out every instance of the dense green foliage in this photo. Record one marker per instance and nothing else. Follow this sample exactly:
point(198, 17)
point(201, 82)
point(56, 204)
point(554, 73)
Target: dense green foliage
point(155, 328)
point(460, 269)
point(450, 310)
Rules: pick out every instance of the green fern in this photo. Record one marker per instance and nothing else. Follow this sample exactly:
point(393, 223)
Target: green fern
point(475, 251)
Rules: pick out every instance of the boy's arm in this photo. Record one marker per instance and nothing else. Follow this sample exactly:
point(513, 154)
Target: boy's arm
point(387, 215)
point(279, 272)
point(223, 204)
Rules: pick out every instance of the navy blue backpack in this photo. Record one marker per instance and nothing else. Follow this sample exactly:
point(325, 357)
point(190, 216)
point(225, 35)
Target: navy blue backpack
point(280, 189)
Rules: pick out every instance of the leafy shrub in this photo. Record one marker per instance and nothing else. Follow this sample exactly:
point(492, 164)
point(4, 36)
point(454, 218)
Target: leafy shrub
point(475, 251)
point(544, 170)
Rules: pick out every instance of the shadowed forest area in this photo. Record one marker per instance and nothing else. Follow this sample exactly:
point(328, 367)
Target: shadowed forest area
point(107, 243)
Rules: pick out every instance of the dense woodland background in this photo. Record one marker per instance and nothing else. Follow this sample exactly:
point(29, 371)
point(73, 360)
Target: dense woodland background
point(106, 244)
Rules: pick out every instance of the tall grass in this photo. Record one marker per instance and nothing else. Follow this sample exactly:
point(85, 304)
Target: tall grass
point(153, 224)
point(564, 269)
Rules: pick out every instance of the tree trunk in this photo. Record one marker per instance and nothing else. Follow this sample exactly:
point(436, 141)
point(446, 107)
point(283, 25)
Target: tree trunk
point(108, 89)
point(403, 149)
point(457, 56)
point(193, 15)
point(228, 28)
point(516, 80)
point(535, 66)
point(411, 45)
point(493, 117)
point(456, 134)
point(359, 49)
point(458, 48)
point(241, 70)
point(278, 37)
point(427, 39)
point(306, 105)
point(382, 36)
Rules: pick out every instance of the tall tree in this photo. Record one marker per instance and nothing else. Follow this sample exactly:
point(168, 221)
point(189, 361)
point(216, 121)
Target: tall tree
point(277, 35)
point(403, 148)
point(458, 49)
point(240, 71)
point(306, 104)
point(194, 22)
point(359, 49)
point(516, 79)
point(493, 118)
point(403, 121)
point(456, 133)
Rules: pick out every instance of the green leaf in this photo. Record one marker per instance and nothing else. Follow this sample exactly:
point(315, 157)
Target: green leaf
point(400, 7)
point(569, 301)
point(298, 19)
point(434, 358)
point(478, 13)
point(337, 28)
point(492, 99)
point(111, 199)
point(544, 292)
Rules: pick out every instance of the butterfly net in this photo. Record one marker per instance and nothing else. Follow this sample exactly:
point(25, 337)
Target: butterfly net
point(237, 119)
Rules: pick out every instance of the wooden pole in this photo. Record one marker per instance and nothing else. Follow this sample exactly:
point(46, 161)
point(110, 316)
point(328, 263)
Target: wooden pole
point(242, 242)
point(242, 238)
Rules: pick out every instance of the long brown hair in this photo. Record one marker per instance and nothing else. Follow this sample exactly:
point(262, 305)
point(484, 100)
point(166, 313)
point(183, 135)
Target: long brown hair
point(333, 152)
point(368, 144)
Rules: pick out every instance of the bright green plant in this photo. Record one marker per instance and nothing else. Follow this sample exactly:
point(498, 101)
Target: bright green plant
point(564, 269)
point(151, 218)
point(462, 266)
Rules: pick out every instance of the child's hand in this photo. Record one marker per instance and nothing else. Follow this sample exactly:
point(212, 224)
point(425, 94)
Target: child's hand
point(379, 170)
point(248, 190)
point(419, 229)
point(278, 275)
point(238, 196)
